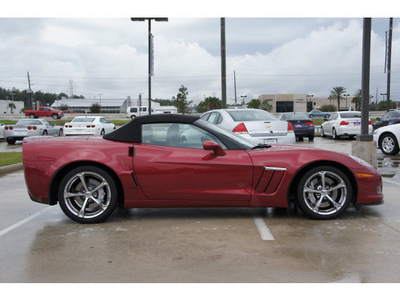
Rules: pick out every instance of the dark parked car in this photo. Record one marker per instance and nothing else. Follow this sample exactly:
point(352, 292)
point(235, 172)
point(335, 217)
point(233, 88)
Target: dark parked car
point(302, 124)
point(389, 118)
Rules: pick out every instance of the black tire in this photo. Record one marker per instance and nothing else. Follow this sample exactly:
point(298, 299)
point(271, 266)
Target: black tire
point(31, 116)
point(79, 203)
point(10, 141)
point(311, 138)
point(389, 144)
point(102, 132)
point(322, 132)
point(44, 132)
point(327, 117)
point(334, 134)
point(311, 116)
point(55, 116)
point(60, 133)
point(324, 193)
point(133, 117)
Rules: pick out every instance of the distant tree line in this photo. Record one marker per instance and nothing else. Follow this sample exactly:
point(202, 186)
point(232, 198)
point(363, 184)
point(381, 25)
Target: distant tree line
point(44, 98)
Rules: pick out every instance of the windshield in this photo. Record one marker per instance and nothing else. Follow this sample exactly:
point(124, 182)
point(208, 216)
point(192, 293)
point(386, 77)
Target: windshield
point(247, 144)
point(83, 120)
point(296, 116)
point(28, 122)
point(251, 115)
point(349, 115)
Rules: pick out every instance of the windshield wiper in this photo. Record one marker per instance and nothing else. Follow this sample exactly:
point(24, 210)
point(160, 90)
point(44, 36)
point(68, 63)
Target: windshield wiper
point(261, 146)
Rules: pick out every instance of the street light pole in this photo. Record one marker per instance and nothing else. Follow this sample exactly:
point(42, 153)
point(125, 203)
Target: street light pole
point(150, 49)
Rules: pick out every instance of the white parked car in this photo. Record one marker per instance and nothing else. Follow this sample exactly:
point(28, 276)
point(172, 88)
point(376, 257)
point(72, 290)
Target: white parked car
point(1, 131)
point(30, 127)
point(343, 123)
point(88, 125)
point(388, 139)
point(256, 125)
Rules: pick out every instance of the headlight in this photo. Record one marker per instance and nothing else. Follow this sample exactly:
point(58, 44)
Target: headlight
point(360, 161)
point(376, 131)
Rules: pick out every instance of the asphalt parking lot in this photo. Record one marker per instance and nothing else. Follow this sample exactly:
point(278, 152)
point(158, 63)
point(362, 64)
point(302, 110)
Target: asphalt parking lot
point(40, 244)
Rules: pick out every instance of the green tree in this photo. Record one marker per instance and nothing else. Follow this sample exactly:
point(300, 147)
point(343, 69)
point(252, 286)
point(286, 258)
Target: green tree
point(328, 108)
point(357, 99)
point(336, 93)
point(95, 108)
point(254, 103)
point(265, 105)
point(383, 105)
point(64, 107)
point(208, 104)
point(180, 101)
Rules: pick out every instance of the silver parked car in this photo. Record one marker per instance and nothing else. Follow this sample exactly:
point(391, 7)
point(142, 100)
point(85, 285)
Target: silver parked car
point(256, 125)
point(30, 127)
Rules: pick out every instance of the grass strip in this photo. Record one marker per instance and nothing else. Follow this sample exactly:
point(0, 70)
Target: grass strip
point(10, 158)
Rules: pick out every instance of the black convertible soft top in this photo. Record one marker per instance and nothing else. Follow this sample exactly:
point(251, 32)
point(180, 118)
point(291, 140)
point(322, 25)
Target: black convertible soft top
point(132, 132)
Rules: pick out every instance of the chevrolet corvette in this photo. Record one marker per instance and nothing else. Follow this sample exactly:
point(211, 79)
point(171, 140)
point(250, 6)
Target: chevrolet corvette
point(182, 161)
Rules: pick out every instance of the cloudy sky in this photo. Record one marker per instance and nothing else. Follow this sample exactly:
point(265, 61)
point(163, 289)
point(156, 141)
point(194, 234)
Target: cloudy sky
point(106, 53)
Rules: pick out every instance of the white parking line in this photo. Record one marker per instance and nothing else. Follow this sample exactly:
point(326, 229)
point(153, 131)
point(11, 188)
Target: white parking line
point(265, 234)
point(20, 223)
point(391, 181)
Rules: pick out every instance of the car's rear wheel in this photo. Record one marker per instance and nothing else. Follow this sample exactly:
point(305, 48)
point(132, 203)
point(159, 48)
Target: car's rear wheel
point(324, 192)
point(44, 132)
point(55, 116)
point(60, 133)
point(102, 132)
point(10, 141)
point(334, 134)
point(322, 132)
point(389, 144)
point(88, 194)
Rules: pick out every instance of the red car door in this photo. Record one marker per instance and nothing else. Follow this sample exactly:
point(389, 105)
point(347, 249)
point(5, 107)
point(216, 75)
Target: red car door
point(173, 173)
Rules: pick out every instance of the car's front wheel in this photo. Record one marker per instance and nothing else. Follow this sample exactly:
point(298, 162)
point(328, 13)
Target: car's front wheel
point(322, 132)
point(389, 144)
point(324, 192)
point(88, 194)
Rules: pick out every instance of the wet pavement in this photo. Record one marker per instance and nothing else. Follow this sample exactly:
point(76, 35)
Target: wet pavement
point(40, 244)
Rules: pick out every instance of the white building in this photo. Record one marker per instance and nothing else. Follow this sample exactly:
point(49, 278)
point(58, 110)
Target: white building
point(15, 109)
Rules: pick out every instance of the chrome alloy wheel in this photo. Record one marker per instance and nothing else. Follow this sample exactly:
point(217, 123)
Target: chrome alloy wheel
point(87, 195)
point(388, 144)
point(325, 193)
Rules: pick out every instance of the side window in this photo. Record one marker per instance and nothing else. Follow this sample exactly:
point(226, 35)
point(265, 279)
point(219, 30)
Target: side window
point(133, 109)
point(177, 135)
point(205, 117)
point(102, 120)
point(215, 118)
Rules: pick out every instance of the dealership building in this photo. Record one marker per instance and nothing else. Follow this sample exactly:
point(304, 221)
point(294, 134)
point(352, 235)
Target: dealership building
point(301, 102)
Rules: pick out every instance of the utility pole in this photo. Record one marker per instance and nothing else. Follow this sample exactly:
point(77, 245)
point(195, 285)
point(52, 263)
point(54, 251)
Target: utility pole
point(234, 81)
point(150, 51)
point(29, 92)
point(389, 62)
point(223, 63)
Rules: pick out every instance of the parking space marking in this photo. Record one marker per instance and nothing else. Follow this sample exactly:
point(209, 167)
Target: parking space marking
point(265, 234)
point(22, 222)
point(391, 181)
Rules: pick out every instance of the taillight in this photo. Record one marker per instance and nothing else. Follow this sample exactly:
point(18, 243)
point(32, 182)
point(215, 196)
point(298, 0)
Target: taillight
point(290, 127)
point(8, 128)
point(34, 128)
point(88, 126)
point(241, 128)
point(310, 123)
point(344, 123)
point(29, 127)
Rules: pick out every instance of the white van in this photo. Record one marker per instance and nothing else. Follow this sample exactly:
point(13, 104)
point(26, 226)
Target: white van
point(137, 111)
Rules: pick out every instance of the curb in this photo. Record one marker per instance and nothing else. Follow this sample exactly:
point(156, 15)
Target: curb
point(11, 168)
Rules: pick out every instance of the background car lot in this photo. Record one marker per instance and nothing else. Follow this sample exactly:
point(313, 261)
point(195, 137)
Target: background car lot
point(200, 245)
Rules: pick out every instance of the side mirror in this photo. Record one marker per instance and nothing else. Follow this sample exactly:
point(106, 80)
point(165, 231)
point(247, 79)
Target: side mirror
point(378, 119)
point(211, 145)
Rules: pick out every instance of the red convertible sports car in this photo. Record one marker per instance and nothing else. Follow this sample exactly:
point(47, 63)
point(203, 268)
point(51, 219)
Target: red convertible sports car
point(183, 161)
